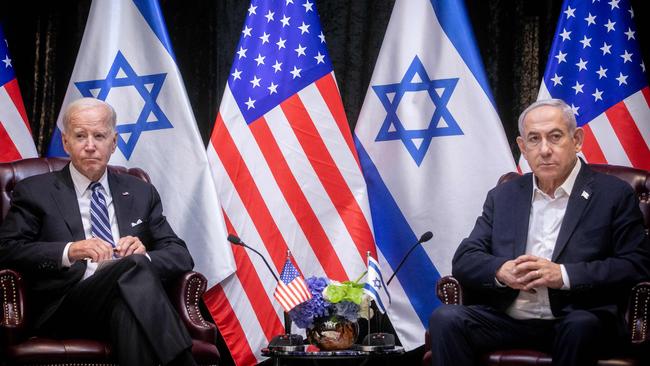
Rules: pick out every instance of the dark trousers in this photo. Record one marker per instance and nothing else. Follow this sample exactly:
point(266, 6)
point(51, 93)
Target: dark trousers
point(127, 305)
point(461, 334)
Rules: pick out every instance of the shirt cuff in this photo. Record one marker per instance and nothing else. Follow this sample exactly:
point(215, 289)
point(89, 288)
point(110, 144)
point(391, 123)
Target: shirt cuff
point(65, 261)
point(565, 278)
point(147, 254)
point(498, 283)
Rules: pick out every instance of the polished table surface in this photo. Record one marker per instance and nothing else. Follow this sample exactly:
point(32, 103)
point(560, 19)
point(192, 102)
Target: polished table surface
point(357, 357)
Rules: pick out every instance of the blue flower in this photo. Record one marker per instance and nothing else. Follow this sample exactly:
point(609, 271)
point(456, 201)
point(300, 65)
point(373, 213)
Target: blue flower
point(317, 307)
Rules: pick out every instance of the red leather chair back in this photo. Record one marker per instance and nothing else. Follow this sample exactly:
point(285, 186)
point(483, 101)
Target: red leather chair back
point(13, 172)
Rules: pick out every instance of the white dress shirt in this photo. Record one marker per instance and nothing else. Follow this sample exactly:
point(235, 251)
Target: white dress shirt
point(81, 187)
point(546, 215)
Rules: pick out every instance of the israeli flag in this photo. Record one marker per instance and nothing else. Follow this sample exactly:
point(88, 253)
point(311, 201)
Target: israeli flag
point(431, 145)
point(126, 59)
point(375, 286)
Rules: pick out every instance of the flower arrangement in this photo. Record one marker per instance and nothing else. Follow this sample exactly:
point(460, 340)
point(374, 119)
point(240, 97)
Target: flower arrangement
point(331, 298)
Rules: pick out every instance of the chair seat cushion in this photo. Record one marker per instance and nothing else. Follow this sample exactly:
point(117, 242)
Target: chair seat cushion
point(520, 357)
point(46, 350)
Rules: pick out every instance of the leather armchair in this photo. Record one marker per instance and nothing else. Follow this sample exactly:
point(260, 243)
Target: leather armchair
point(449, 291)
point(18, 346)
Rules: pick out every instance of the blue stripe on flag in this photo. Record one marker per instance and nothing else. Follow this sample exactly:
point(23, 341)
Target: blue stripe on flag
point(56, 145)
point(376, 297)
point(455, 23)
point(394, 236)
point(381, 277)
point(150, 10)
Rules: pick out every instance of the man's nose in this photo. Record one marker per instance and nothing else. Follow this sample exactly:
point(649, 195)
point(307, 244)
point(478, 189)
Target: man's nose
point(90, 144)
point(545, 147)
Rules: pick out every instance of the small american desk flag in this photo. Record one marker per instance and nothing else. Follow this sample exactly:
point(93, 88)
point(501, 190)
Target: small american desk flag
point(292, 289)
point(595, 66)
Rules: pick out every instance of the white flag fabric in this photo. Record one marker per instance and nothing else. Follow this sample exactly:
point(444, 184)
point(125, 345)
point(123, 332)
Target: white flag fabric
point(288, 177)
point(375, 286)
point(595, 66)
point(16, 140)
point(126, 59)
point(431, 146)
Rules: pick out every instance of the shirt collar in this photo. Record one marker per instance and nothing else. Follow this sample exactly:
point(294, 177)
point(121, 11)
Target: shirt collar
point(565, 187)
point(81, 182)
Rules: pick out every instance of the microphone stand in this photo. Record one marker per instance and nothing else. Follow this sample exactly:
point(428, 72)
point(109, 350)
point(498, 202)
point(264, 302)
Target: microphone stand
point(380, 340)
point(283, 342)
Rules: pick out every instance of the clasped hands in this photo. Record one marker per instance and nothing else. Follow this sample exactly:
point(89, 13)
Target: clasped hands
point(528, 272)
point(98, 250)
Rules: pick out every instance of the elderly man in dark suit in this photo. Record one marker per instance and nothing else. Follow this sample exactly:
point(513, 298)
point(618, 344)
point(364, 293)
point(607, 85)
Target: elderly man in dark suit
point(549, 258)
point(96, 249)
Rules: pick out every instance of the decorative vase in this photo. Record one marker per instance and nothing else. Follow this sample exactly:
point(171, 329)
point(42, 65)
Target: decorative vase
point(333, 333)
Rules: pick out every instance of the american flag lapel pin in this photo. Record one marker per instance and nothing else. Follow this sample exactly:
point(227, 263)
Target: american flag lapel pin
point(125, 193)
point(585, 195)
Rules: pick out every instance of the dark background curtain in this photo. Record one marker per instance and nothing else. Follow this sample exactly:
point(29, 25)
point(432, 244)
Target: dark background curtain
point(513, 36)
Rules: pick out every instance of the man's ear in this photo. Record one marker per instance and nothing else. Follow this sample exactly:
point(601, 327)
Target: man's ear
point(65, 141)
point(114, 144)
point(522, 146)
point(578, 138)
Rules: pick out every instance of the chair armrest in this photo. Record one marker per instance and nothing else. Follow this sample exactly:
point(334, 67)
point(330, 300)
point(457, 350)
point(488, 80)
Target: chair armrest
point(638, 313)
point(12, 295)
point(449, 291)
point(185, 294)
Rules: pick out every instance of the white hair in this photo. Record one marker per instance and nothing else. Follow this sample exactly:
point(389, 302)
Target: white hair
point(567, 113)
point(88, 103)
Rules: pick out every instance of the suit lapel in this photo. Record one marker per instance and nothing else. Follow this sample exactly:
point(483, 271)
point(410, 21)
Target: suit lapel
point(65, 197)
point(521, 212)
point(578, 201)
point(122, 203)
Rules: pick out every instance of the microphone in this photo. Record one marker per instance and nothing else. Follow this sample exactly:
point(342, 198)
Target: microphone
point(237, 241)
point(424, 238)
point(282, 342)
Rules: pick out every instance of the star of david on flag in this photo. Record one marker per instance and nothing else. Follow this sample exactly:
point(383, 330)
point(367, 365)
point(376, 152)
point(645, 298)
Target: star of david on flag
point(126, 59)
point(375, 286)
point(431, 145)
point(147, 86)
point(442, 123)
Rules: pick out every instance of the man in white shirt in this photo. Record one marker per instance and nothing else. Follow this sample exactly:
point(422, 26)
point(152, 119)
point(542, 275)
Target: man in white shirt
point(96, 249)
point(551, 257)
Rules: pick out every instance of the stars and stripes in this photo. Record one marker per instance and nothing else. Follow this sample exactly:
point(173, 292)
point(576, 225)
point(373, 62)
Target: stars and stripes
point(595, 66)
point(292, 289)
point(16, 140)
point(286, 170)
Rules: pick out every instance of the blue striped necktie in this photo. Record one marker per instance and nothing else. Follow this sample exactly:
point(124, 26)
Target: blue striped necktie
point(99, 222)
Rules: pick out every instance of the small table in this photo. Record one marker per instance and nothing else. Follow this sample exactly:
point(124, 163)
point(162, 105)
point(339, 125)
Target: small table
point(351, 356)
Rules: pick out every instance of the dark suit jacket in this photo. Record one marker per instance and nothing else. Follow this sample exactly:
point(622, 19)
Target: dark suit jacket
point(44, 216)
point(601, 244)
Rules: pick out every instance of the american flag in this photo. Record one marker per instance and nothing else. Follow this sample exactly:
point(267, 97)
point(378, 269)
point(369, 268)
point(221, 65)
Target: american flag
point(292, 289)
point(286, 171)
point(15, 134)
point(595, 66)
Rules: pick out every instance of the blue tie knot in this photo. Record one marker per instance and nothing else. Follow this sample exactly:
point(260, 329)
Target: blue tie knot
point(95, 186)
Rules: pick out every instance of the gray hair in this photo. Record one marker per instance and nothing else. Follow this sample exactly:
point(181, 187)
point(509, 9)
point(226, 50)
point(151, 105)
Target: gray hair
point(89, 103)
point(567, 112)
